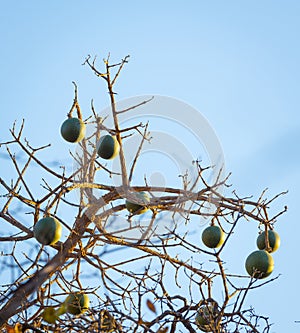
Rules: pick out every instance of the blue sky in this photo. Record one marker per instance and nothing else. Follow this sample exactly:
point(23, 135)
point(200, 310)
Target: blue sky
point(237, 62)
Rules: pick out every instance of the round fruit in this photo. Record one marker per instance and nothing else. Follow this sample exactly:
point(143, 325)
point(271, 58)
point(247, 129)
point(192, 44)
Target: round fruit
point(76, 303)
point(274, 240)
point(137, 207)
point(205, 317)
point(259, 264)
point(108, 147)
point(213, 236)
point(49, 315)
point(73, 130)
point(47, 230)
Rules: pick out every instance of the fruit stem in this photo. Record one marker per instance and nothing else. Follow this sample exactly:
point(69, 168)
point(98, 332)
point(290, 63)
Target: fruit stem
point(267, 243)
point(116, 123)
point(75, 105)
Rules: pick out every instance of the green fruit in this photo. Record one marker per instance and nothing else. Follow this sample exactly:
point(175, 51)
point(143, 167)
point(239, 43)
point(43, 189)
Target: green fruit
point(274, 240)
point(205, 317)
point(259, 264)
point(49, 315)
point(138, 207)
point(47, 231)
point(73, 130)
point(213, 236)
point(108, 147)
point(76, 303)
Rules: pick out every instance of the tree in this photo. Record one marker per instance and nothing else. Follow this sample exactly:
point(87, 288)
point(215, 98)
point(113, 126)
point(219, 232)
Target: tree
point(130, 248)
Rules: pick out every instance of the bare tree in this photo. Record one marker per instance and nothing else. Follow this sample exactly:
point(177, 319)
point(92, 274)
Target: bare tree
point(138, 278)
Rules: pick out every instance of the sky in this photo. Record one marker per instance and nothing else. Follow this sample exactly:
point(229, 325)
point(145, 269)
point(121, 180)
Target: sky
point(236, 62)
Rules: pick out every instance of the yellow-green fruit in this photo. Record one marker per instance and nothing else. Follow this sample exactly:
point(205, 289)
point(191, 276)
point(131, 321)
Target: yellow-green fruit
point(47, 231)
point(76, 303)
point(274, 240)
point(213, 236)
point(259, 264)
point(49, 315)
point(73, 130)
point(108, 147)
point(138, 207)
point(205, 317)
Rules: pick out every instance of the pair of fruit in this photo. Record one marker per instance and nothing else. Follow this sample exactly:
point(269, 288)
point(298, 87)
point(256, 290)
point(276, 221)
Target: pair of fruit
point(260, 264)
point(75, 304)
point(47, 230)
point(73, 130)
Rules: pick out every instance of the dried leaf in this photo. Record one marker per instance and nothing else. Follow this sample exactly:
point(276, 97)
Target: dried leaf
point(18, 328)
point(145, 323)
point(163, 330)
point(151, 306)
point(9, 329)
point(14, 329)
